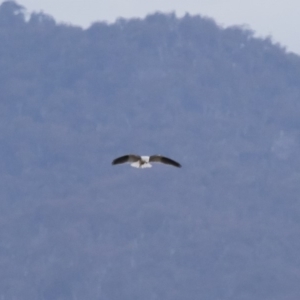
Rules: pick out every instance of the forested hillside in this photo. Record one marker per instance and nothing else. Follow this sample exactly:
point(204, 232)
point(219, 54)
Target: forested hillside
point(223, 103)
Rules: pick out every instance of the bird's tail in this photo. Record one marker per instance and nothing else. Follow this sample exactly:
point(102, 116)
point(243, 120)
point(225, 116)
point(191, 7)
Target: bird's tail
point(137, 165)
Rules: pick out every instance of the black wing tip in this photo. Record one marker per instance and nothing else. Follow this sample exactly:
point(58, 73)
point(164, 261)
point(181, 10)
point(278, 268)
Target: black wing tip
point(176, 164)
point(120, 160)
point(168, 161)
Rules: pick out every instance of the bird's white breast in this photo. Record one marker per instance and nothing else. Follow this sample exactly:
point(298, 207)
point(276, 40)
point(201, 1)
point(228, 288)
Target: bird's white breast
point(145, 158)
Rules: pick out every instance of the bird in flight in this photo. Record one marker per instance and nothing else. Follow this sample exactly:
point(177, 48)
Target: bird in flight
point(144, 161)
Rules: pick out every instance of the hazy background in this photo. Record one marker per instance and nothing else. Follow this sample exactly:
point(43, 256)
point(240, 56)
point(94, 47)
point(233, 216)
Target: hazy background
point(267, 17)
point(222, 102)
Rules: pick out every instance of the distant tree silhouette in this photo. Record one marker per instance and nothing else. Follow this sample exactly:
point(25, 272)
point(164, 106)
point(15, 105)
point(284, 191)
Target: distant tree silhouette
point(11, 14)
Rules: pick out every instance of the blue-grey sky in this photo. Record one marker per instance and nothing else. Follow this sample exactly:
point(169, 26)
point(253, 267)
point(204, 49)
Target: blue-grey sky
point(277, 18)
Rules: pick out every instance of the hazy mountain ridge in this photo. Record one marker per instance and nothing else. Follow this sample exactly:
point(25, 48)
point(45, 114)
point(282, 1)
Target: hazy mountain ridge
point(223, 103)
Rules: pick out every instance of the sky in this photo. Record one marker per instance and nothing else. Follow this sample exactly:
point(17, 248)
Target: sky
point(279, 19)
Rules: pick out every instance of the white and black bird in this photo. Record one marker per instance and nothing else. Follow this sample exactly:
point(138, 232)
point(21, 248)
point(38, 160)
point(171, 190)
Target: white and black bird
point(144, 161)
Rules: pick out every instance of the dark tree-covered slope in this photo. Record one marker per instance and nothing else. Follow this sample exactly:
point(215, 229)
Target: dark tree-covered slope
point(223, 103)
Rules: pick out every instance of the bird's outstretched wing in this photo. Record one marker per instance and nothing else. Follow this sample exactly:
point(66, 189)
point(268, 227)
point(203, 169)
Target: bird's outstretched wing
point(125, 159)
point(164, 160)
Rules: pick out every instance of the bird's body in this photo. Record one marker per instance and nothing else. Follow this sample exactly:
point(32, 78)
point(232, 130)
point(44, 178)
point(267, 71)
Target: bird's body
point(144, 161)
